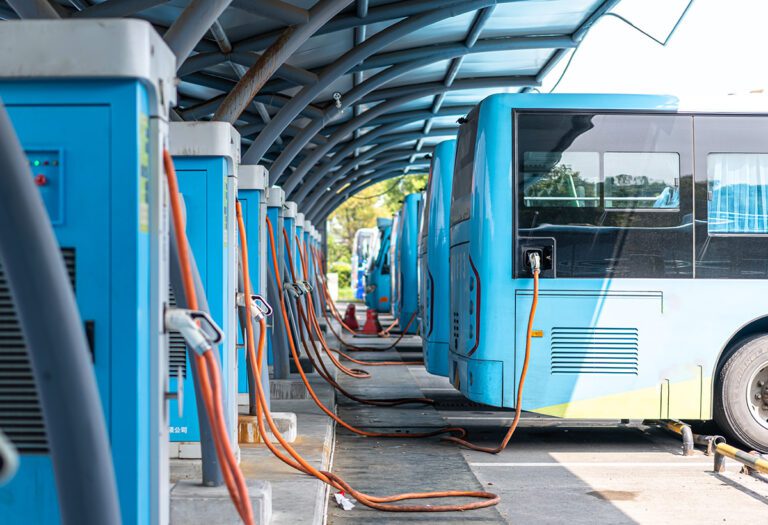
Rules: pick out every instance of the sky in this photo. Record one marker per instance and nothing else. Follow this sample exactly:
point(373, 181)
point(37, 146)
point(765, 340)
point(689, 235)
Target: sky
point(718, 49)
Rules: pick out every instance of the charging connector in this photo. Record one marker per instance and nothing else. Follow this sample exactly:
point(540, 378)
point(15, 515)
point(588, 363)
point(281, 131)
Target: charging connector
point(534, 260)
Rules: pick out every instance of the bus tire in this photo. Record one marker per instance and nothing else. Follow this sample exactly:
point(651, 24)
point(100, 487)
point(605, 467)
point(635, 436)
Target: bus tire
point(741, 394)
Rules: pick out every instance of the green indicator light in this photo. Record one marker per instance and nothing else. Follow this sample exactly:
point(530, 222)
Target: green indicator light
point(37, 163)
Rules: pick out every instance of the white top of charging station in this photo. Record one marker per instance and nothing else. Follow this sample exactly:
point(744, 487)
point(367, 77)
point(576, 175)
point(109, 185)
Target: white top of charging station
point(275, 197)
point(205, 139)
point(252, 177)
point(299, 220)
point(290, 209)
point(85, 49)
point(308, 226)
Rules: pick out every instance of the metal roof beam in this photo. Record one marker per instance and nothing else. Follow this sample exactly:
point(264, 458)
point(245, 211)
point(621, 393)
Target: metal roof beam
point(275, 9)
point(471, 83)
point(319, 199)
point(34, 9)
point(364, 92)
point(353, 57)
point(393, 11)
point(381, 147)
point(222, 84)
point(360, 142)
point(322, 210)
point(478, 24)
point(192, 25)
point(381, 109)
point(449, 50)
point(281, 50)
point(117, 8)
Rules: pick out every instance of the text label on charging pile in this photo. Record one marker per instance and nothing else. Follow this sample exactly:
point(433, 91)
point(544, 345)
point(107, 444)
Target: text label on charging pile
point(537, 333)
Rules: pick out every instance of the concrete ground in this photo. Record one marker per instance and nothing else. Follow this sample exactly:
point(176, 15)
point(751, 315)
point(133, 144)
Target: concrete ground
point(297, 499)
point(587, 473)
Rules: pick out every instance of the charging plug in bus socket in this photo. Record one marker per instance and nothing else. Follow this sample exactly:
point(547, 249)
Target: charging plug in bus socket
point(545, 248)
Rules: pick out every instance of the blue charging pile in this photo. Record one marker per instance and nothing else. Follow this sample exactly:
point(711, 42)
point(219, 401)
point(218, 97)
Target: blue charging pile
point(641, 209)
point(434, 248)
point(94, 130)
point(207, 155)
point(278, 350)
point(378, 286)
point(407, 268)
point(252, 194)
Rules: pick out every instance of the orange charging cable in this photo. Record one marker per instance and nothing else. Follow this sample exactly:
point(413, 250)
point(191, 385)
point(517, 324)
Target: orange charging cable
point(312, 328)
point(208, 377)
point(523, 373)
point(295, 460)
point(354, 348)
point(346, 356)
point(310, 390)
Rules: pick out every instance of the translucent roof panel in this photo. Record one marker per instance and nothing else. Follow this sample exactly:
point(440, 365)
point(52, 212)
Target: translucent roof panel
point(450, 64)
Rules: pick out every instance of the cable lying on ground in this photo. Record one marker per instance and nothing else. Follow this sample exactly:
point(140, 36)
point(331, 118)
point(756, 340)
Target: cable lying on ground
point(295, 460)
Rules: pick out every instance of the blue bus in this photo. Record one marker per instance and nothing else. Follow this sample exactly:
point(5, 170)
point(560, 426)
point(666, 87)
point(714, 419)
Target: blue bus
point(434, 248)
point(377, 277)
point(362, 251)
point(650, 219)
point(406, 294)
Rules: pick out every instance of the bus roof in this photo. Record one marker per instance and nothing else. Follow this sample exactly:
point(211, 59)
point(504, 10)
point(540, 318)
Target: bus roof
point(610, 101)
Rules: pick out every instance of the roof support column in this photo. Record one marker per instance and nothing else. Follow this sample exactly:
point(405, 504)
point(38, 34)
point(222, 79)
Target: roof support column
point(333, 71)
point(191, 25)
point(34, 8)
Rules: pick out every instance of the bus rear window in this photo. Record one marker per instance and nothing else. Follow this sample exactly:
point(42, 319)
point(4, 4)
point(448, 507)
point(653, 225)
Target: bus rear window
point(461, 192)
point(737, 196)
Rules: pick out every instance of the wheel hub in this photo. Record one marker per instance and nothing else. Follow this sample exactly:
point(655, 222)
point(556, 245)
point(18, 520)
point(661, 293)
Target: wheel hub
point(757, 396)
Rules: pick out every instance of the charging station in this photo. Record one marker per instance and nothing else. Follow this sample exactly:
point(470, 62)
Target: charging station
point(278, 349)
point(93, 130)
point(206, 156)
point(252, 194)
point(289, 225)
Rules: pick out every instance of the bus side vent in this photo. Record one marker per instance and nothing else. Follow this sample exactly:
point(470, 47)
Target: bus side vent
point(455, 331)
point(177, 348)
point(594, 350)
point(21, 416)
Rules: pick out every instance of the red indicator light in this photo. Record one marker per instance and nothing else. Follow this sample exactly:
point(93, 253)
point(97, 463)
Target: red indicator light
point(41, 180)
point(46, 163)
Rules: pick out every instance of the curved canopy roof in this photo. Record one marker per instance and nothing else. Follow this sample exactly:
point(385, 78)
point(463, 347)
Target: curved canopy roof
point(334, 95)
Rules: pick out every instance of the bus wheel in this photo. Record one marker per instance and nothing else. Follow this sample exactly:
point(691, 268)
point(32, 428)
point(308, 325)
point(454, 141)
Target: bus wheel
point(741, 394)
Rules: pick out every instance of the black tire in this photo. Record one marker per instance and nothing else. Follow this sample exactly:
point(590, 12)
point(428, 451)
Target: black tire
point(732, 410)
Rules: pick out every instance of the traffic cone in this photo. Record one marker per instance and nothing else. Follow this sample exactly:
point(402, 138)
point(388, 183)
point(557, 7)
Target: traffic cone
point(372, 325)
point(350, 317)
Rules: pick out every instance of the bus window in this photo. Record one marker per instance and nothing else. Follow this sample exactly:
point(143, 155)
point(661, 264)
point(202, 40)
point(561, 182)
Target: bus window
point(614, 191)
point(463, 170)
point(558, 179)
point(731, 196)
point(737, 193)
point(642, 180)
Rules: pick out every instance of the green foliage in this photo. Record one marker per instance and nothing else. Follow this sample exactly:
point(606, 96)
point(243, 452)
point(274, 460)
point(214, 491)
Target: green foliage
point(561, 181)
point(361, 211)
point(344, 269)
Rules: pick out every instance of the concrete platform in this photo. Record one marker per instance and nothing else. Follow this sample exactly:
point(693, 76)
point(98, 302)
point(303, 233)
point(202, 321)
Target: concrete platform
point(193, 504)
point(296, 498)
point(248, 427)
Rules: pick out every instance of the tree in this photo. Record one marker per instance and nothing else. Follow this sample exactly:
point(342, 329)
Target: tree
point(362, 210)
